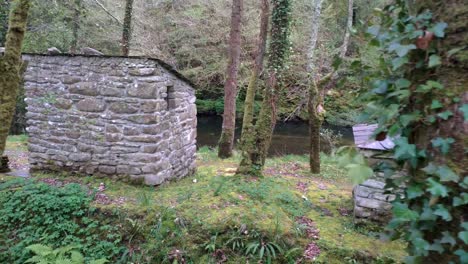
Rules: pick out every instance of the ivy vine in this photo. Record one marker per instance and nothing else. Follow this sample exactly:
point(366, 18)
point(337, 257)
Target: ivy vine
point(405, 96)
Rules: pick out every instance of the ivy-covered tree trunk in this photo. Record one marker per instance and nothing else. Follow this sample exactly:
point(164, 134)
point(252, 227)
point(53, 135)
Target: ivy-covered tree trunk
point(451, 126)
point(10, 68)
point(253, 160)
point(247, 122)
point(127, 28)
point(226, 141)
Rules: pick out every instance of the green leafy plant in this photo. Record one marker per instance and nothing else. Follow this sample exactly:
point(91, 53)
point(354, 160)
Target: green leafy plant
point(32, 212)
point(404, 98)
point(264, 250)
point(63, 255)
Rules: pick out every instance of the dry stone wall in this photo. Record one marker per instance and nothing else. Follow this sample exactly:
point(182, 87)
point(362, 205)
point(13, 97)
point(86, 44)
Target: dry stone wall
point(118, 117)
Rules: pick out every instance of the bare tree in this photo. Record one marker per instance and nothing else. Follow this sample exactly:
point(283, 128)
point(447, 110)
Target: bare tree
point(349, 24)
point(315, 120)
point(77, 7)
point(226, 141)
point(10, 69)
point(127, 28)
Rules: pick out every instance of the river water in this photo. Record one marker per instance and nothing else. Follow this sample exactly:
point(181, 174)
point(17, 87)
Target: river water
point(288, 138)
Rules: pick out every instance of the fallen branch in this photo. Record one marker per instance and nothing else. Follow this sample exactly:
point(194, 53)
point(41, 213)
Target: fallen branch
point(107, 11)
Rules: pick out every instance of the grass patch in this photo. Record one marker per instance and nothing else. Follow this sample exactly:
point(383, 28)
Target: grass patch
point(17, 142)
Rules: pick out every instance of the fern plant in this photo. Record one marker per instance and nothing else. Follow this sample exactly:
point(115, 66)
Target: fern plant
point(63, 255)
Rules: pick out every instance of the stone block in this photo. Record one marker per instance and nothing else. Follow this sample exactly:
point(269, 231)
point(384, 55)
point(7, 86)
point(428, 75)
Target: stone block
point(144, 118)
point(70, 79)
point(107, 169)
point(109, 91)
point(122, 108)
point(372, 204)
point(80, 157)
point(142, 90)
point(91, 105)
point(142, 71)
point(63, 103)
point(84, 88)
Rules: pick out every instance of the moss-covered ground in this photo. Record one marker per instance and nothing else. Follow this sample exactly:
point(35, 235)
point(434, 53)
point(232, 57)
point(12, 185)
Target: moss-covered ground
point(214, 216)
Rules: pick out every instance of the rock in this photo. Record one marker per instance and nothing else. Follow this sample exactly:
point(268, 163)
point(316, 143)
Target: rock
point(53, 51)
point(91, 51)
point(84, 88)
point(81, 157)
point(91, 105)
point(122, 108)
point(2, 50)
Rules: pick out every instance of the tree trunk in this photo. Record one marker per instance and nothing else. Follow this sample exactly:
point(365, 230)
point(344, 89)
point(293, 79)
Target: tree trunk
point(127, 28)
point(226, 141)
point(253, 160)
point(75, 26)
point(315, 121)
point(247, 122)
point(10, 68)
point(315, 26)
point(453, 75)
point(349, 24)
point(4, 7)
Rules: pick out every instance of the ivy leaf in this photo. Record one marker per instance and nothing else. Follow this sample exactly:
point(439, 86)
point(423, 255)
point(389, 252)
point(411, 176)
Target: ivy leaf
point(464, 110)
point(402, 83)
point(414, 191)
point(451, 52)
point(407, 119)
point(463, 236)
point(402, 50)
point(373, 30)
point(434, 60)
point(436, 104)
point(462, 200)
point(439, 29)
point(381, 86)
point(445, 115)
point(403, 213)
point(448, 239)
point(443, 144)
point(435, 84)
point(436, 188)
point(430, 168)
point(443, 212)
point(359, 173)
point(398, 62)
point(446, 174)
point(463, 255)
point(404, 150)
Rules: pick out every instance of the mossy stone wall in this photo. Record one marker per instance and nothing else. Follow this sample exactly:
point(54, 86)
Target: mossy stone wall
point(110, 116)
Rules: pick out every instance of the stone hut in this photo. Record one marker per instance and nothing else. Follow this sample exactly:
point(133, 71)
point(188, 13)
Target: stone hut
point(121, 117)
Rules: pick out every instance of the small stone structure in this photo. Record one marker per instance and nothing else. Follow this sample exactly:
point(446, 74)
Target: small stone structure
point(371, 202)
point(126, 117)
